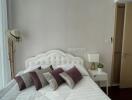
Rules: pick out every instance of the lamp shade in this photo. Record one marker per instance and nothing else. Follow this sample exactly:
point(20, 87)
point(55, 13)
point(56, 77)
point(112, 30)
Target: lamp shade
point(93, 58)
point(15, 33)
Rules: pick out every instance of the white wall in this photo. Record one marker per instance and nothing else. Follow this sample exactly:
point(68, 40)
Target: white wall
point(123, 1)
point(49, 24)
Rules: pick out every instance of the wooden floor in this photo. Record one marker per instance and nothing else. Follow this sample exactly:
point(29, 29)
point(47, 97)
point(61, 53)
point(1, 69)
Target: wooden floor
point(115, 93)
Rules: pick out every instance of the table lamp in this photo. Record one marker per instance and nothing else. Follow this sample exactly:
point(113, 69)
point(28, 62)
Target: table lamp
point(93, 59)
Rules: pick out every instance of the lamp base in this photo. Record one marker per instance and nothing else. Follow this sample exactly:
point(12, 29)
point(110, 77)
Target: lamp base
point(100, 69)
point(92, 66)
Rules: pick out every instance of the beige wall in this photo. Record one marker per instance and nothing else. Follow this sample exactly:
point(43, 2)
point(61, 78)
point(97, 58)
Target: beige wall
point(50, 24)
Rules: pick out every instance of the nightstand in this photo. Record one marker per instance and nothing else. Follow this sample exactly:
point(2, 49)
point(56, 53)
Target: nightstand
point(99, 77)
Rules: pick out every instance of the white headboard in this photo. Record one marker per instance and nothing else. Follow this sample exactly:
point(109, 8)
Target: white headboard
point(53, 57)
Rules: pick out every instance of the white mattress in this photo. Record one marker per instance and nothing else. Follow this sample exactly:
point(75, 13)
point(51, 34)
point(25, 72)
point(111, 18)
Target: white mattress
point(86, 89)
point(27, 94)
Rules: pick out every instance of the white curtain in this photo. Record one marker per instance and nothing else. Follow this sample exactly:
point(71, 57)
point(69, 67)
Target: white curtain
point(5, 74)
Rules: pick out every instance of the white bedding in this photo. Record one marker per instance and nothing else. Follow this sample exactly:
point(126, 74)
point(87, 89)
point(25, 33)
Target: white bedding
point(86, 89)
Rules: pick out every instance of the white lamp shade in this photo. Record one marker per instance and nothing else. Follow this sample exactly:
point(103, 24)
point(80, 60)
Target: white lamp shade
point(15, 33)
point(93, 58)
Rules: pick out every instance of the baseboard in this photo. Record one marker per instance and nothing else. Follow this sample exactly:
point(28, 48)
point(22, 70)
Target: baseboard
point(110, 85)
point(115, 84)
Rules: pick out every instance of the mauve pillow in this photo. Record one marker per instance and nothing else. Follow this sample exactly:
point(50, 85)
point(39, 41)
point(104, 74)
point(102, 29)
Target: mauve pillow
point(71, 76)
point(38, 78)
point(24, 80)
point(80, 68)
point(54, 78)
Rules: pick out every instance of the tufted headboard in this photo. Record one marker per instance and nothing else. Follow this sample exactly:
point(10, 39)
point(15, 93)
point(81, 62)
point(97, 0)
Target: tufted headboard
point(53, 57)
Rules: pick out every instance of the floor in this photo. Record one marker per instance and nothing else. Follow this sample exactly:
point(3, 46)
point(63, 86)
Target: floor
point(115, 93)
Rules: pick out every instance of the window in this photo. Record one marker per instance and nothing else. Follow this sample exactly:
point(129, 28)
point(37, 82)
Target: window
point(4, 62)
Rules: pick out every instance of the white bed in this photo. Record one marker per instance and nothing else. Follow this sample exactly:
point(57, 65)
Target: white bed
point(86, 89)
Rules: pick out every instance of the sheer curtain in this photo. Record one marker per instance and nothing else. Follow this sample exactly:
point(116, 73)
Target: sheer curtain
point(5, 74)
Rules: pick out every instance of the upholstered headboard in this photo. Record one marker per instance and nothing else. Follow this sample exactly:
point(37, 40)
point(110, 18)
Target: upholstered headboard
point(53, 57)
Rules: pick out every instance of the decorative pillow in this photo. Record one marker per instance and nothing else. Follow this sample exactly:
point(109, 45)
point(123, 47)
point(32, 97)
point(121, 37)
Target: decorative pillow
point(54, 78)
point(24, 80)
point(71, 76)
point(66, 67)
point(38, 78)
point(32, 68)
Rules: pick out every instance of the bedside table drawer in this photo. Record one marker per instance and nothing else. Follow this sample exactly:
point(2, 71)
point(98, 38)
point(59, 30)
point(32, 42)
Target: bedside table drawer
point(99, 77)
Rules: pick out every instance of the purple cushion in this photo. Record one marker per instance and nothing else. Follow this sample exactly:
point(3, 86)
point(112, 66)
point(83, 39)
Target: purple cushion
point(54, 78)
point(55, 73)
point(38, 78)
point(74, 74)
point(24, 80)
point(71, 76)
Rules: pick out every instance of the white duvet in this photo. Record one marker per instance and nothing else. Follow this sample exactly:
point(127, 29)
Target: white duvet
point(86, 89)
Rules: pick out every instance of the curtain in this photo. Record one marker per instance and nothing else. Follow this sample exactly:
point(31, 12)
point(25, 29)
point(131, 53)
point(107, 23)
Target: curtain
point(5, 74)
point(11, 46)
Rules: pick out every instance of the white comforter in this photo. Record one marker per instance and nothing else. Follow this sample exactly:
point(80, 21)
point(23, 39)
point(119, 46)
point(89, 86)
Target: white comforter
point(86, 89)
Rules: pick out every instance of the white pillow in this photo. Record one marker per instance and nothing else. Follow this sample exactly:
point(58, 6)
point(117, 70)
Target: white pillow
point(31, 68)
point(66, 67)
point(35, 67)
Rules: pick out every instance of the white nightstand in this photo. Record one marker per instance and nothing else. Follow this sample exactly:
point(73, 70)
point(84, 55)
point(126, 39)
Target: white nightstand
point(99, 77)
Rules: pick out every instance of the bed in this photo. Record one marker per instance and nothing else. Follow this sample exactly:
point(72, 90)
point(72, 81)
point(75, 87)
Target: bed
point(86, 89)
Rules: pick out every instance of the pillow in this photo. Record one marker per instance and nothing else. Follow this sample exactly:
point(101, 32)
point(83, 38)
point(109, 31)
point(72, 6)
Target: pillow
point(54, 78)
point(31, 68)
point(24, 80)
point(66, 67)
point(71, 76)
point(38, 78)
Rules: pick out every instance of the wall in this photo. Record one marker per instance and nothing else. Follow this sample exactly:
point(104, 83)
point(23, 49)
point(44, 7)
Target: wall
point(50, 24)
point(122, 1)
